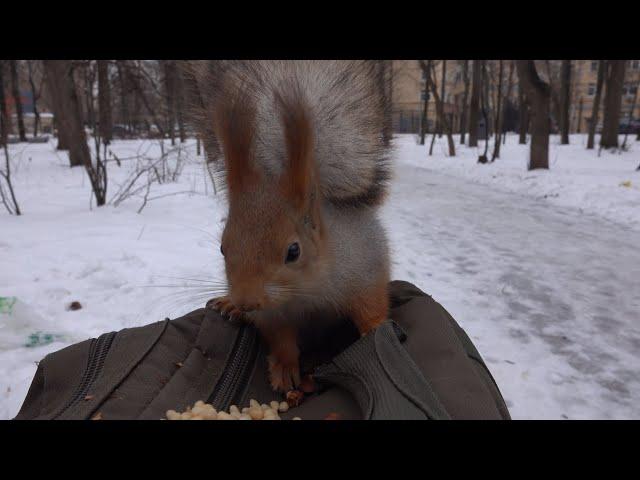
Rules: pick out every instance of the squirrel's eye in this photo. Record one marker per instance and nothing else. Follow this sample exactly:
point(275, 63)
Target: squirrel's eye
point(221, 250)
point(293, 253)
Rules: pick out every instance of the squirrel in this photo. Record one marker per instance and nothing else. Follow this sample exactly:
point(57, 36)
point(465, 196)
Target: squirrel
point(306, 165)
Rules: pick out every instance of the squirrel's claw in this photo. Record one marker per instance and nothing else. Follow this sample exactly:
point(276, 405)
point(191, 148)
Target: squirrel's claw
point(225, 307)
point(283, 377)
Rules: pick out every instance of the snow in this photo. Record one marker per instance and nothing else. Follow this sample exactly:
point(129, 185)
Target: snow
point(588, 180)
point(548, 287)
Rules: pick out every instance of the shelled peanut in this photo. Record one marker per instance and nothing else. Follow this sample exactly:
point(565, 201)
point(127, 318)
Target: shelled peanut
point(255, 411)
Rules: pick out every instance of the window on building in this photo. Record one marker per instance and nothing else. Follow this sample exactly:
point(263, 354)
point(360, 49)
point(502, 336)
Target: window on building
point(635, 64)
point(630, 90)
point(423, 94)
point(594, 65)
point(592, 89)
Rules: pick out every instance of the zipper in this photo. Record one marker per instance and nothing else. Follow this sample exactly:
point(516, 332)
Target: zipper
point(97, 354)
point(237, 372)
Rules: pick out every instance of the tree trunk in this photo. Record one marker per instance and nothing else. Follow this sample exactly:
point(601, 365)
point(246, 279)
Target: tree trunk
point(67, 110)
point(15, 92)
point(425, 115)
point(474, 106)
point(523, 112)
point(483, 108)
point(602, 67)
point(180, 106)
point(539, 96)
point(565, 100)
point(465, 98)
point(104, 102)
point(141, 97)
point(170, 98)
point(62, 85)
point(89, 79)
point(54, 85)
point(630, 118)
point(579, 129)
point(612, 103)
point(124, 94)
point(442, 95)
point(439, 108)
point(506, 102)
point(499, 114)
point(4, 117)
point(35, 95)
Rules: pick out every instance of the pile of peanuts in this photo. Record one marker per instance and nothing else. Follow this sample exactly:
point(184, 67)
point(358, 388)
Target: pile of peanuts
point(255, 411)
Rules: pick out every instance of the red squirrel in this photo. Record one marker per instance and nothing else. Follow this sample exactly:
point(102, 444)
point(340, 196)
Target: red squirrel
point(306, 166)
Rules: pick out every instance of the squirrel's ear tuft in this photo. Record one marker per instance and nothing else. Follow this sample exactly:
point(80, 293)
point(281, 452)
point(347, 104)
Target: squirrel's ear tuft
point(235, 127)
point(298, 176)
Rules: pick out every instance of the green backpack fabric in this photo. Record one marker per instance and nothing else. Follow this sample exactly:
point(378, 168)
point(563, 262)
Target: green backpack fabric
point(418, 365)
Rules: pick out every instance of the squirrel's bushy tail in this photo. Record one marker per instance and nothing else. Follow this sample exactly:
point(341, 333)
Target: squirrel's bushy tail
point(347, 107)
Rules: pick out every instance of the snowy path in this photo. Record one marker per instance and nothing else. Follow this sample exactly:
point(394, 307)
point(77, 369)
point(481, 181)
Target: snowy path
point(550, 296)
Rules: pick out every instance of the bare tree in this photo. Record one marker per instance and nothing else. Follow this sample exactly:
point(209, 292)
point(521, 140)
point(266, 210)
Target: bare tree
point(523, 115)
point(424, 120)
point(502, 108)
point(442, 95)
point(60, 77)
point(124, 89)
point(86, 81)
point(565, 101)
point(465, 98)
point(579, 127)
point(179, 92)
point(104, 102)
point(499, 112)
point(614, 79)
point(4, 116)
point(539, 94)
point(55, 87)
point(425, 107)
point(35, 93)
point(484, 94)
point(630, 117)
point(430, 74)
point(9, 201)
point(474, 106)
point(15, 92)
point(136, 81)
point(169, 86)
point(602, 67)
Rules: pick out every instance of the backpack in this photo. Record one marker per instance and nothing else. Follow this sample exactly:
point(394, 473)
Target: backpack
point(419, 364)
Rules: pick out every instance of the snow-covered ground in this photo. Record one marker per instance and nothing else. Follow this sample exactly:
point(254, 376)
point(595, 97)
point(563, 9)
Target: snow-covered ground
point(541, 268)
point(592, 181)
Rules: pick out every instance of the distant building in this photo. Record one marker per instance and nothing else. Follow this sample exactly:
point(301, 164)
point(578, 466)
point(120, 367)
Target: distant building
point(585, 78)
point(45, 126)
point(28, 115)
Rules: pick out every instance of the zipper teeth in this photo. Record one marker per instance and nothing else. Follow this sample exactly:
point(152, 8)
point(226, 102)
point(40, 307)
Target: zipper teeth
point(235, 370)
point(97, 355)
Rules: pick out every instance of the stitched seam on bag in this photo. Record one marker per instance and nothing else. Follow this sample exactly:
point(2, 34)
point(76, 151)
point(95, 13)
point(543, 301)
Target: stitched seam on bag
point(166, 384)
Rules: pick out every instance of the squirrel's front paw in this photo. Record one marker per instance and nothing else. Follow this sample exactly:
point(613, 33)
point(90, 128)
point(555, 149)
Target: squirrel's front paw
point(225, 307)
point(284, 376)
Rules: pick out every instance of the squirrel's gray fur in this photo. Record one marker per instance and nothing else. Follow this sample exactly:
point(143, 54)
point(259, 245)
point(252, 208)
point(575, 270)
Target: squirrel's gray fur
point(347, 106)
